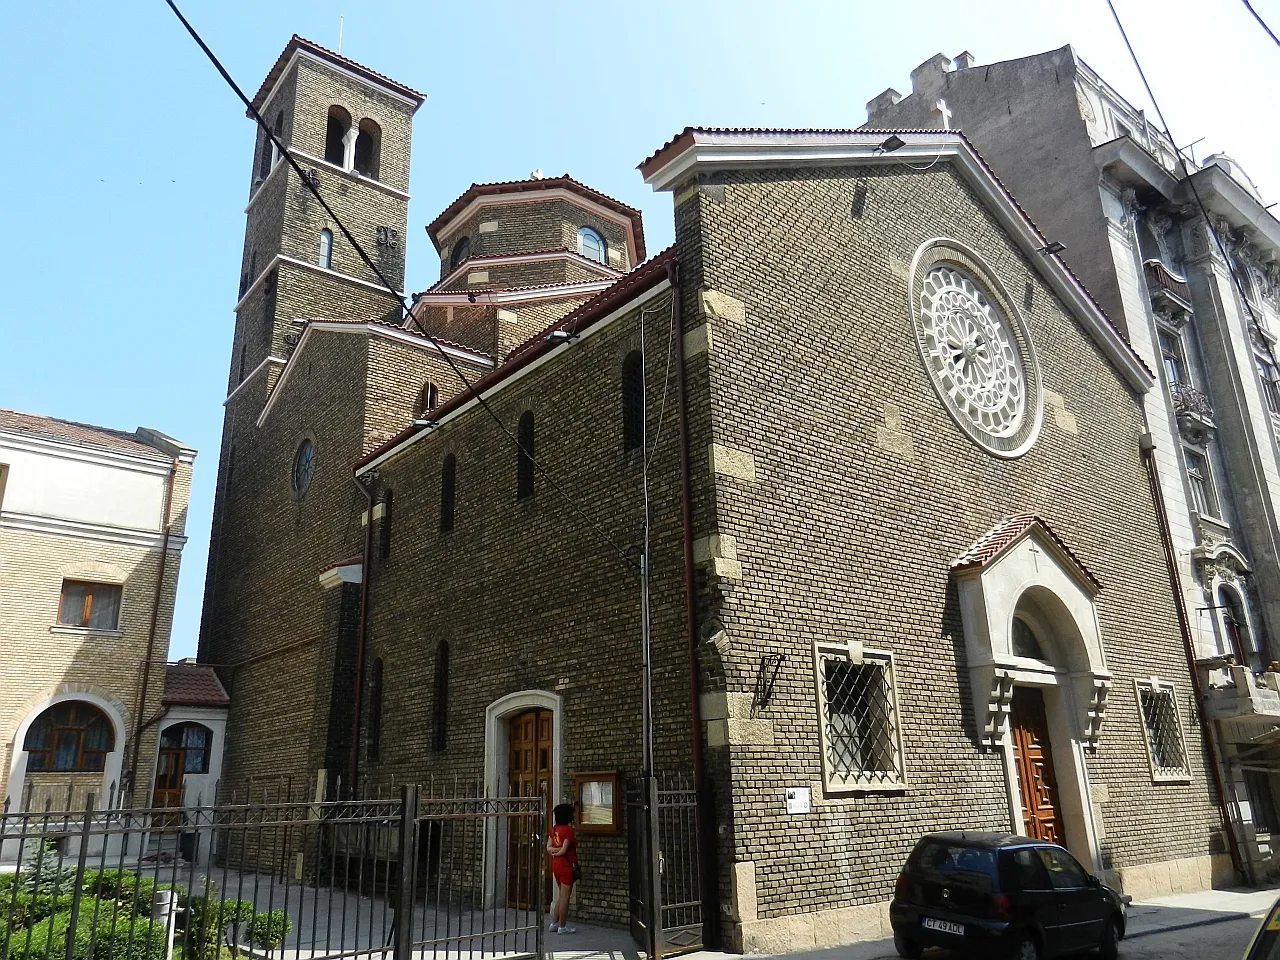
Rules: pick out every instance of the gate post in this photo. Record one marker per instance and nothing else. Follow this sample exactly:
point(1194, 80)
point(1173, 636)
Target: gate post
point(654, 854)
point(403, 916)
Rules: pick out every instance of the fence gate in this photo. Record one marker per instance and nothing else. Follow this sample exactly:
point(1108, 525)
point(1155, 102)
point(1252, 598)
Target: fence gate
point(675, 881)
point(281, 873)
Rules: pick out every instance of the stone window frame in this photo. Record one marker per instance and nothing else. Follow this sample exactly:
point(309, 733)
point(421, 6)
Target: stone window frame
point(1155, 687)
point(864, 781)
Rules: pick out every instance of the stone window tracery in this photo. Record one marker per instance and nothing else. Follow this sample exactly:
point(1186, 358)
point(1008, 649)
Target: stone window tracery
point(975, 349)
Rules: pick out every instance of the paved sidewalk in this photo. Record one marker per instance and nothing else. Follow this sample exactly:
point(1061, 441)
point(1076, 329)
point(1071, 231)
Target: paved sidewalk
point(1160, 915)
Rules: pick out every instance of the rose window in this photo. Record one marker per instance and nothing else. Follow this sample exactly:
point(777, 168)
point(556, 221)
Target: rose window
point(975, 349)
point(970, 352)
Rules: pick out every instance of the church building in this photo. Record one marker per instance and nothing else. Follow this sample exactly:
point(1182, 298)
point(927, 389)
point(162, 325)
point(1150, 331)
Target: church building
point(905, 558)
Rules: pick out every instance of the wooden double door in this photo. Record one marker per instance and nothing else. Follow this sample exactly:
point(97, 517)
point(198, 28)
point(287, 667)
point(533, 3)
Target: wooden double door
point(1033, 757)
point(531, 736)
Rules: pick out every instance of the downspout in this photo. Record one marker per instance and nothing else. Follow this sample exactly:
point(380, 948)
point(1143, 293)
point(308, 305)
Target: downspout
point(686, 509)
point(1184, 625)
point(151, 630)
point(362, 630)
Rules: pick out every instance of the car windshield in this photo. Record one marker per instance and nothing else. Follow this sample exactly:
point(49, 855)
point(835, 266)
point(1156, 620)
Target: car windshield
point(1266, 945)
point(955, 863)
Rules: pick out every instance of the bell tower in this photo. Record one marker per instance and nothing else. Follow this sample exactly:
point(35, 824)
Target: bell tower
point(349, 128)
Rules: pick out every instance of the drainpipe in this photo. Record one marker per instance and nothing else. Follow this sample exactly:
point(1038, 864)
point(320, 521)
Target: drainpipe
point(1148, 449)
point(362, 631)
point(151, 630)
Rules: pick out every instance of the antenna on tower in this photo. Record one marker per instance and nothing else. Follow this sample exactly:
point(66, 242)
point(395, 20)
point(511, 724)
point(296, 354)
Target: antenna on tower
point(340, 18)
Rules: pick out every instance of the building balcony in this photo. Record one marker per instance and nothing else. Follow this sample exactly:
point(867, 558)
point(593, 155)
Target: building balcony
point(1169, 291)
point(1235, 693)
point(1194, 412)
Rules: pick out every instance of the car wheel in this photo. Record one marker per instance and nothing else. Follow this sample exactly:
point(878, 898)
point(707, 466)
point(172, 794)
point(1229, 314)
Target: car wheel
point(906, 948)
point(1109, 948)
point(1026, 948)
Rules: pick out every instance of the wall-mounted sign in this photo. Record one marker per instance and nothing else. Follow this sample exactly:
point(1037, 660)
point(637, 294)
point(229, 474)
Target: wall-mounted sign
point(797, 799)
point(596, 797)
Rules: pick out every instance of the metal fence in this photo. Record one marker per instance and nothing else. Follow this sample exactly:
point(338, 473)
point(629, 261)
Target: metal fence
point(670, 873)
point(424, 872)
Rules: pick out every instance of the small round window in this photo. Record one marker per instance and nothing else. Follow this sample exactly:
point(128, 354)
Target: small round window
point(304, 464)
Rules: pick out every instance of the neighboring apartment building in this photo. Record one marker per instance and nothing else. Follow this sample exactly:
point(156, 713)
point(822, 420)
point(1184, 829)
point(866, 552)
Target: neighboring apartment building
point(91, 534)
point(1198, 299)
point(906, 564)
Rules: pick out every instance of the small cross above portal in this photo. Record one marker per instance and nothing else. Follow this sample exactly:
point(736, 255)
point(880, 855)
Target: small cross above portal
point(1035, 552)
point(940, 109)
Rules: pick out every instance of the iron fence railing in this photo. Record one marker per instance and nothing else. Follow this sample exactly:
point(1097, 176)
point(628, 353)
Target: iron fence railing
point(423, 871)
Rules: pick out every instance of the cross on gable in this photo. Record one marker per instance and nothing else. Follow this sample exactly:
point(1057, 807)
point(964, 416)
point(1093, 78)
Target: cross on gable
point(940, 109)
point(1034, 549)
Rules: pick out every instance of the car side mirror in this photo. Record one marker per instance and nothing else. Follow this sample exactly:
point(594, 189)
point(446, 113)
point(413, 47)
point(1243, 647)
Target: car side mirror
point(1092, 881)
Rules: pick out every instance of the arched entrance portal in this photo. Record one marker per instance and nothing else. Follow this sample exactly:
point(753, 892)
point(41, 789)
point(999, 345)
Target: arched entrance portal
point(531, 746)
point(1037, 673)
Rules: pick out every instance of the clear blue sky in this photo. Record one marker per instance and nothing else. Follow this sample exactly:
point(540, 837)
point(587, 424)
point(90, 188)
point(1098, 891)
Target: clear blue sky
point(126, 160)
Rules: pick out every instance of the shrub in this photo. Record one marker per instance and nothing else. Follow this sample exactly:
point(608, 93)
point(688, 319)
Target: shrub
point(47, 872)
point(269, 929)
point(127, 887)
point(208, 920)
point(116, 935)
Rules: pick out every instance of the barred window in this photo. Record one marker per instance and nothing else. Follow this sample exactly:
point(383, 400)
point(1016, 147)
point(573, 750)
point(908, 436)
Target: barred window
point(1165, 745)
point(858, 714)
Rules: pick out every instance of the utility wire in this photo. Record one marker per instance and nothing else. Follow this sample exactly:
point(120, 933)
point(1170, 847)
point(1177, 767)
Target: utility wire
point(1248, 6)
point(471, 390)
point(1186, 173)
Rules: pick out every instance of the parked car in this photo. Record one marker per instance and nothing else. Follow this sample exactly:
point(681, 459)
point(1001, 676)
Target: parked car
point(1001, 895)
point(1265, 944)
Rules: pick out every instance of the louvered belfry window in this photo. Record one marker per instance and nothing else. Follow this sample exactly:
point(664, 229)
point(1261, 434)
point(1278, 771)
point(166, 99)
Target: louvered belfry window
point(861, 741)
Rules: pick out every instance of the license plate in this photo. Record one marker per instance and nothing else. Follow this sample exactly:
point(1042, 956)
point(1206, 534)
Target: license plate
point(943, 926)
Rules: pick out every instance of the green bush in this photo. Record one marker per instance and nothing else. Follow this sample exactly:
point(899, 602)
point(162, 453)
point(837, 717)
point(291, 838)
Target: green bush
point(269, 929)
point(113, 934)
point(207, 922)
point(28, 908)
point(127, 887)
point(47, 872)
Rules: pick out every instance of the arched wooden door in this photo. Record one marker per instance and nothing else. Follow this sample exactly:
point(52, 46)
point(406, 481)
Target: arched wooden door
point(1037, 782)
point(530, 765)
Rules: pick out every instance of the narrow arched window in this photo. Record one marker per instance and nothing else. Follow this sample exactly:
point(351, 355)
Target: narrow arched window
point(524, 456)
point(461, 250)
point(265, 150)
point(632, 401)
point(368, 140)
point(335, 132)
point(440, 706)
point(71, 737)
point(428, 398)
point(591, 245)
point(375, 713)
point(244, 355)
point(448, 481)
point(1237, 627)
point(277, 129)
point(326, 248)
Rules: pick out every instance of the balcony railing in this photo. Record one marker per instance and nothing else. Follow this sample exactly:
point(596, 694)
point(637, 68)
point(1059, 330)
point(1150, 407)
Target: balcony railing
point(1163, 282)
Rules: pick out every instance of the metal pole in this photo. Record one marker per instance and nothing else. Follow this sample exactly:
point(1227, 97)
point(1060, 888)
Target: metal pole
point(162, 910)
point(403, 918)
point(81, 860)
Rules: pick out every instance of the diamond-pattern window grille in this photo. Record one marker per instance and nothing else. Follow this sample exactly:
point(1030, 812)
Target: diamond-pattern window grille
point(1165, 743)
point(861, 743)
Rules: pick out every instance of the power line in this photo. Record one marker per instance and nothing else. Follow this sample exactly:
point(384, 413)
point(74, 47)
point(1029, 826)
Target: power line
point(1195, 193)
point(1248, 6)
point(457, 371)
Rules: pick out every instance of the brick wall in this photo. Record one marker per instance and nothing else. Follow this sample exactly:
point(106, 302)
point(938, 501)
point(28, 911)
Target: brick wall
point(838, 535)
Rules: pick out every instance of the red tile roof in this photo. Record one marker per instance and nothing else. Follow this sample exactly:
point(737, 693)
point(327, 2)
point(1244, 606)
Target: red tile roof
point(300, 43)
point(193, 685)
point(563, 182)
point(642, 278)
point(1003, 535)
point(85, 433)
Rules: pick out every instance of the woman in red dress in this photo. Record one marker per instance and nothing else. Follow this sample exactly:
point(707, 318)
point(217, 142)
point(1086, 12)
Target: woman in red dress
point(563, 847)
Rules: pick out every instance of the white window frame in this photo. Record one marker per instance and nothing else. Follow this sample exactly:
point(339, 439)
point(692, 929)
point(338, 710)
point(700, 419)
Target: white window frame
point(833, 781)
point(1212, 510)
point(1268, 385)
point(1163, 774)
point(604, 244)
